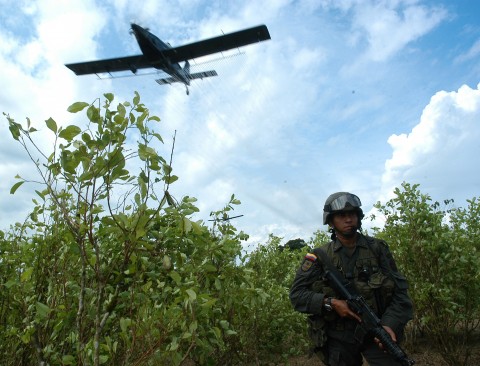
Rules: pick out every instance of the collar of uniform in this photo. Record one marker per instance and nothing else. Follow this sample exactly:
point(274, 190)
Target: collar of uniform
point(361, 242)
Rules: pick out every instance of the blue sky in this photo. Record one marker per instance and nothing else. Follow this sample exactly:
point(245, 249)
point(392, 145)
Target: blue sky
point(347, 95)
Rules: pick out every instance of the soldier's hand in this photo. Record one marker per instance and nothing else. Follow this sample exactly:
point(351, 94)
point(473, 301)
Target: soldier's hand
point(390, 332)
point(342, 309)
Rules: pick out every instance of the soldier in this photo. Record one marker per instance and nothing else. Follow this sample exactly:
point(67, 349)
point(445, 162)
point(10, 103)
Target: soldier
point(368, 264)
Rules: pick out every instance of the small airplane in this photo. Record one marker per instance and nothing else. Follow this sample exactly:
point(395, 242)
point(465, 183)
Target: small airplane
point(162, 56)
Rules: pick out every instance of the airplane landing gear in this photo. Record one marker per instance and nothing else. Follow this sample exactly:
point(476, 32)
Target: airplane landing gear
point(188, 91)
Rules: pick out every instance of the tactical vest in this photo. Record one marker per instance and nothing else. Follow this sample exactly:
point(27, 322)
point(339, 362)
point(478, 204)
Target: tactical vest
point(371, 282)
point(374, 282)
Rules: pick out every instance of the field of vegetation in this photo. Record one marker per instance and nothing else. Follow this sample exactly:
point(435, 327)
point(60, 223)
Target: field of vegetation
point(110, 269)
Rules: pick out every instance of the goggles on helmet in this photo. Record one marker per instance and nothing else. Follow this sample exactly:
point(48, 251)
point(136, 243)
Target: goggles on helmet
point(343, 201)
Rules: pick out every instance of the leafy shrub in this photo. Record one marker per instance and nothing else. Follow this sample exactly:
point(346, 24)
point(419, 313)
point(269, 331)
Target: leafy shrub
point(272, 330)
point(438, 252)
point(109, 268)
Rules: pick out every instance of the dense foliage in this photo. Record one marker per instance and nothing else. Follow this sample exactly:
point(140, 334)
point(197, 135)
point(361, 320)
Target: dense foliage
point(110, 269)
point(437, 249)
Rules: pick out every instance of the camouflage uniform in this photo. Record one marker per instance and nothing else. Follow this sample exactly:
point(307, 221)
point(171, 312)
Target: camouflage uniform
point(374, 274)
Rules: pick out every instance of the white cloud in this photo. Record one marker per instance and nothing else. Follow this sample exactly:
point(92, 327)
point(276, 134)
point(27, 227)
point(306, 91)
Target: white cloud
point(438, 152)
point(390, 25)
point(305, 59)
point(470, 54)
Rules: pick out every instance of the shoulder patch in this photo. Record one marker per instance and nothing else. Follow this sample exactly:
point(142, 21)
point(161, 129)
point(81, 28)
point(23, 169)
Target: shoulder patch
point(308, 261)
point(311, 257)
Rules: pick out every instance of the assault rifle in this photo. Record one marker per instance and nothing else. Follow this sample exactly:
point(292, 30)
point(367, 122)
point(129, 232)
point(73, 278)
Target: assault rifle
point(370, 321)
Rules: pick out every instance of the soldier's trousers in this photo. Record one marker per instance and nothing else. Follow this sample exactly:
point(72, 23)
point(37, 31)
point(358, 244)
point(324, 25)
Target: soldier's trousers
point(348, 354)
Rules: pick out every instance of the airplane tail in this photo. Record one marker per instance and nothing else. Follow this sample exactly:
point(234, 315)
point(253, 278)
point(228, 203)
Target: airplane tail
point(197, 75)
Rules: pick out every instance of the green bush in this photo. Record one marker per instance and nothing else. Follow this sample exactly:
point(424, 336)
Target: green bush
point(272, 330)
point(437, 250)
point(109, 268)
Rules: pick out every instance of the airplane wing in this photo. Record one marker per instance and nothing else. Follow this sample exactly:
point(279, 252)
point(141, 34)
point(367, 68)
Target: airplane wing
point(197, 75)
point(217, 44)
point(130, 63)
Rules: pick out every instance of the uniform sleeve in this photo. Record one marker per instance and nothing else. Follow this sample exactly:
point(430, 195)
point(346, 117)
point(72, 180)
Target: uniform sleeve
point(400, 310)
point(302, 297)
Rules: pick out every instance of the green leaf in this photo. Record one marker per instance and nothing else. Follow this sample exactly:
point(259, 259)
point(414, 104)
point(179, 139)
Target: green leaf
point(68, 360)
point(52, 125)
point(176, 277)
point(187, 225)
point(209, 303)
point(86, 138)
point(103, 359)
point(174, 345)
point(154, 118)
point(68, 161)
point(109, 97)
point(121, 110)
point(15, 187)
point(208, 267)
point(10, 283)
point(42, 310)
point(132, 269)
point(41, 194)
point(70, 132)
point(26, 337)
point(93, 114)
point(217, 332)
point(15, 130)
point(124, 324)
point(139, 232)
point(77, 107)
point(167, 263)
point(145, 152)
point(191, 294)
point(136, 99)
point(170, 179)
point(157, 135)
point(27, 274)
point(197, 229)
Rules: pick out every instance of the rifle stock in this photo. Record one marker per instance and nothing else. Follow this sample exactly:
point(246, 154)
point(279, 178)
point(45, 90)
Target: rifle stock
point(370, 321)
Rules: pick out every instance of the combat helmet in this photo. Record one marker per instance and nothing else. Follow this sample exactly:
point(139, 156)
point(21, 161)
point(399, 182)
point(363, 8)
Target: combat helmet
point(341, 201)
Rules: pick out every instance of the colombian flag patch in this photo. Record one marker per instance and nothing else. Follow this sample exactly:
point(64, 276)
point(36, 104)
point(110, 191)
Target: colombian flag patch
point(311, 257)
point(308, 261)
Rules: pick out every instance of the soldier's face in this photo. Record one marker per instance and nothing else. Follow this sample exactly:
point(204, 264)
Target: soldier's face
point(345, 222)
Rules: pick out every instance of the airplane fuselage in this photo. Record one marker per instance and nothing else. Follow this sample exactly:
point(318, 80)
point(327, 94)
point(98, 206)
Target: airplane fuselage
point(152, 48)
